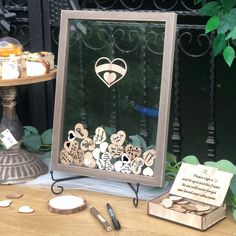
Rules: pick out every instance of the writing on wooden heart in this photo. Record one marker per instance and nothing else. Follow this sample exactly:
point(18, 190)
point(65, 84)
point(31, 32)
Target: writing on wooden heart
point(71, 147)
point(100, 135)
point(149, 157)
point(110, 72)
point(80, 131)
point(65, 157)
point(119, 138)
point(115, 151)
point(133, 151)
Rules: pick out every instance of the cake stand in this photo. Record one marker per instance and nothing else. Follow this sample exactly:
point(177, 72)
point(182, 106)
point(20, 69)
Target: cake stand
point(16, 164)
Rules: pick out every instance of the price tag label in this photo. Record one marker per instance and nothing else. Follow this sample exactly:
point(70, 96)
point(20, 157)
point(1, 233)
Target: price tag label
point(7, 138)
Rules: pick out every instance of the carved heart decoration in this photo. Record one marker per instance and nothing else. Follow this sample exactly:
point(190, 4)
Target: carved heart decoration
point(100, 163)
point(115, 151)
point(89, 161)
point(109, 166)
point(106, 156)
point(148, 171)
point(149, 157)
point(78, 157)
point(125, 158)
point(71, 135)
point(65, 157)
point(5, 203)
point(133, 151)
point(103, 147)
point(80, 131)
point(100, 135)
point(118, 165)
point(71, 147)
point(126, 169)
point(87, 145)
point(96, 153)
point(136, 165)
point(110, 72)
point(119, 138)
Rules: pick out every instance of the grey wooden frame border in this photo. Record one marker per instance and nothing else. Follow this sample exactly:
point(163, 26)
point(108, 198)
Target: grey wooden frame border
point(165, 94)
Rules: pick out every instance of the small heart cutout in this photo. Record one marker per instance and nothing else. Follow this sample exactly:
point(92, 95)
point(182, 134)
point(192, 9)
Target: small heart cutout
point(109, 77)
point(5, 203)
point(25, 209)
point(71, 135)
point(148, 171)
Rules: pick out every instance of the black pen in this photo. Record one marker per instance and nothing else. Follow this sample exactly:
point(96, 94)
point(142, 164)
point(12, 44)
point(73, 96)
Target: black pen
point(115, 222)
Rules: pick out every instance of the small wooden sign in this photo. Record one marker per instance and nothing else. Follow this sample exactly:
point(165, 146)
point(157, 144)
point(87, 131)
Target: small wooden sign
point(202, 183)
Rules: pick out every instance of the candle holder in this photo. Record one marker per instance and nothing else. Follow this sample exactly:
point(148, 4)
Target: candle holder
point(16, 164)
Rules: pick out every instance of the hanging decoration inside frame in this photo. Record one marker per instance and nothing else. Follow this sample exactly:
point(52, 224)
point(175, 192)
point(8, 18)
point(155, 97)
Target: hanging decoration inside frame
point(110, 118)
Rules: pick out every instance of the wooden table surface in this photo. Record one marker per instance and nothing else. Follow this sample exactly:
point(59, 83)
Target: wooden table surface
point(134, 221)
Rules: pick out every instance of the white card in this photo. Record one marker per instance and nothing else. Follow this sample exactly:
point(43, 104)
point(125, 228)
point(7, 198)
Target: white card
point(202, 183)
point(7, 138)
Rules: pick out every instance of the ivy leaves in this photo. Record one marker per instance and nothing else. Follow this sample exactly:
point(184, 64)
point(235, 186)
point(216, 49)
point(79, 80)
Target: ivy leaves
point(222, 19)
point(34, 142)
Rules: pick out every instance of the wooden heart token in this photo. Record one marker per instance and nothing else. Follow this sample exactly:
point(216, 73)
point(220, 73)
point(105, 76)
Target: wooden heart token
point(109, 166)
point(167, 203)
point(148, 171)
point(78, 157)
point(87, 145)
point(115, 151)
point(126, 169)
point(5, 203)
point(133, 151)
point(67, 204)
point(118, 165)
point(80, 131)
point(100, 135)
point(149, 157)
point(136, 165)
point(65, 157)
point(89, 161)
point(71, 146)
point(15, 195)
point(118, 138)
point(100, 163)
point(103, 147)
point(25, 210)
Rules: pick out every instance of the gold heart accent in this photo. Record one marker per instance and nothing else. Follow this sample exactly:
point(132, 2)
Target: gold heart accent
point(110, 72)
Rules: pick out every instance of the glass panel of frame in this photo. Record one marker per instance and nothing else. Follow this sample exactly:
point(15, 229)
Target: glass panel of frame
point(113, 95)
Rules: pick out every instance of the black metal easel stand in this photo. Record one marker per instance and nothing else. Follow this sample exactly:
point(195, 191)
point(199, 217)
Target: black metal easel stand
point(60, 188)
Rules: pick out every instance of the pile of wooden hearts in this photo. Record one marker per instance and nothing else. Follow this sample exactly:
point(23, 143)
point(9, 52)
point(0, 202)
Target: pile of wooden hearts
point(95, 152)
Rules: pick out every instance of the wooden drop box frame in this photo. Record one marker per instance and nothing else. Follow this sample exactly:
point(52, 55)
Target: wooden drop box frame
point(188, 219)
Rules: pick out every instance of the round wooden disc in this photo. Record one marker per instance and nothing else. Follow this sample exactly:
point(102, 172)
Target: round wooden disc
point(67, 204)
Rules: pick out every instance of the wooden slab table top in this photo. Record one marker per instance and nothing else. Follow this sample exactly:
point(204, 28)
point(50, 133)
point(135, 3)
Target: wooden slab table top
point(23, 80)
point(134, 221)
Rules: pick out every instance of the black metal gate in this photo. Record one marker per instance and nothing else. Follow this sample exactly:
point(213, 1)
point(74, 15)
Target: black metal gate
point(37, 27)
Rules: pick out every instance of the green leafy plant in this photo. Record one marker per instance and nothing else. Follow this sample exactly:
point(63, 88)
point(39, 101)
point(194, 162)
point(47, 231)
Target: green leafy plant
point(35, 142)
point(222, 20)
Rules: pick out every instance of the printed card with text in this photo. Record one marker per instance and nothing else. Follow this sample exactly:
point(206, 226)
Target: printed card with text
point(202, 183)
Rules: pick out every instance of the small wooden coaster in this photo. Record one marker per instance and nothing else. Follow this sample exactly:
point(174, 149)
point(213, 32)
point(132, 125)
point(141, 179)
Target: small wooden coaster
point(67, 204)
